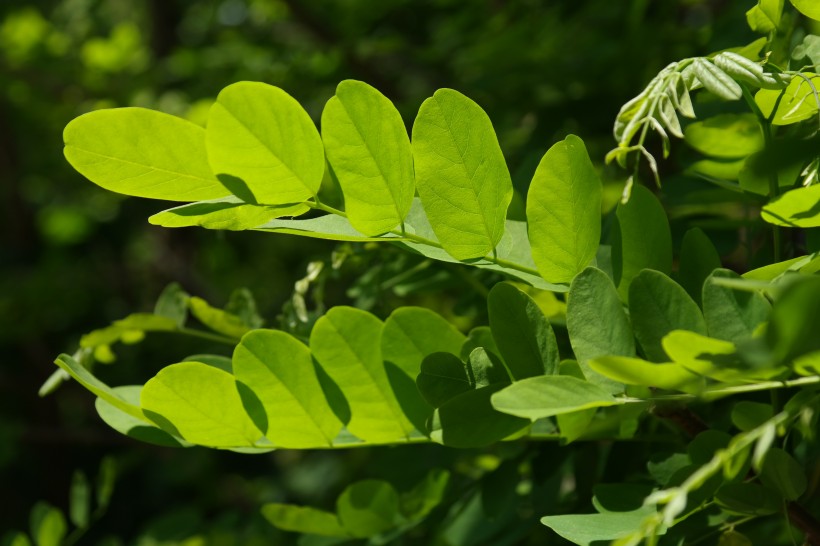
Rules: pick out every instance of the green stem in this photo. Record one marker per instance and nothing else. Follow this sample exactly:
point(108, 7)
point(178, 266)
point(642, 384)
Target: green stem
point(726, 391)
point(402, 234)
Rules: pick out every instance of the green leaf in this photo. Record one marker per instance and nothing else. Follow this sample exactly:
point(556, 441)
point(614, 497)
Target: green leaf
point(619, 497)
point(129, 425)
point(783, 159)
point(469, 420)
point(657, 306)
point(229, 213)
point(798, 102)
point(584, 529)
point(635, 371)
point(216, 319)
point(410, 335)
point(765, 16)
point(749, 499)
point(716, 80)
point(368, 507)
point(485, 368)
point(173, 303)
point(641, 239)
point(263, 145)
point(732, 315)
point(91, 383)
point(242, 304)
point(747, 415)
point(564, 211)
point(597, 323)
point(809, 8)
point(79, 506)
point(546, 396)
point(129, 329)
point(16, 539)
point(426, 495)
point(795, 208)
point(698, 258)
point(303, 519)
point(279, 369)
point(347, 344)
point(442, 377)
point(480, 336)
point(809, 48)
point(48, 525)
point(369, 150)
point(734, 538)
point(522, 333)
point(792, 329)
point(781, 472)
point(105, 481)
point(727, 136)
point(201, 404)
point(461, 174)
point(713, 358)
point(143, 153)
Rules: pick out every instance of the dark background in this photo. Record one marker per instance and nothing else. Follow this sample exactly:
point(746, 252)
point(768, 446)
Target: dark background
point(74, 257)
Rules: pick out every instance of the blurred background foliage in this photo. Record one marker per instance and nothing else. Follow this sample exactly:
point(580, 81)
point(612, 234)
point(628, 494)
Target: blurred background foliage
point(74, 257)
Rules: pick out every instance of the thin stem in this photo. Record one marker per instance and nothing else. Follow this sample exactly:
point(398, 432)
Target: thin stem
point(403, 234)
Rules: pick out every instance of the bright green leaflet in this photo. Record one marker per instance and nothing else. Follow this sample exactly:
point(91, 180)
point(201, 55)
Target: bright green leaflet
point(727, 136)
point(657, 306)
point(201, 403)
point(303, 519)
point(48, 525)
point(279, 369)
point(636, 371)
point(87, 380)
point(597, 323)
point(442, 377)
point(521, 332)
point(798, 102)
point(368, 507)
point(765, 16)
point(129, 425)
point(795, 208)
point(585, 529)
point(698, 258)
point(410, 334)
point(549, 395)
point(469, 420)
point(461, 174)
point(263, 145)
point(229, 213)
point(217, 319)
point(641, 239)
point(809, 8)
point(143, 153)
point(564, 211)
point(347, 344)
point(369, 150)
point(732, 315)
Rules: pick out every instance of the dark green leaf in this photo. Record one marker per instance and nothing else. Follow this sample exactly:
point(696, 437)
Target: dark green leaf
point(368, 508)
point(698, 258)
point(783, 473)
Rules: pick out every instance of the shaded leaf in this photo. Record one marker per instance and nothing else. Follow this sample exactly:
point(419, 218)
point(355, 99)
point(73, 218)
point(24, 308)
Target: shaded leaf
point(732, 315)
point(303, 519)
point(368, 507)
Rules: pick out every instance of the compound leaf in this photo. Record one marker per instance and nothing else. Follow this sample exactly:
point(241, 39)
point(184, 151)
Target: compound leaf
point(564, 211)
point(143, 153)
point(369, 150)
point(263, 145)
point(461, 174)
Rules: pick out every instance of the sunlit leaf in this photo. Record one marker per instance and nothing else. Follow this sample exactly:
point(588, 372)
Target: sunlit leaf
point(263, 145)
point(369, 150)
point(461, 174)
point(545, 396)
point(563, 211)
point(303, 519)
point(229, 213)
point(143, 153)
